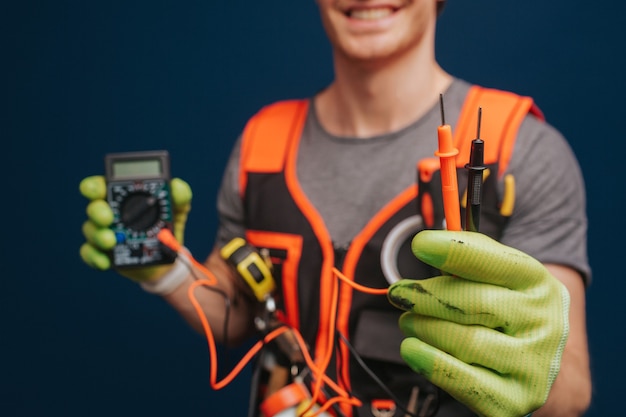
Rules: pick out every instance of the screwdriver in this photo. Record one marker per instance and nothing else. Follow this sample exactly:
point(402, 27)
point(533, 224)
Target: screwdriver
point(449, 187)
point(475, 169)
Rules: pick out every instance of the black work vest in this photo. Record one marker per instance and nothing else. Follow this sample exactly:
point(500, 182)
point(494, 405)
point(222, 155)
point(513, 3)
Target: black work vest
point(280, 218)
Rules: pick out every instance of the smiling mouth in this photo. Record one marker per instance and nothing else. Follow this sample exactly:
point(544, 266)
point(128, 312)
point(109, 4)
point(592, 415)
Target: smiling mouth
point(370, 14)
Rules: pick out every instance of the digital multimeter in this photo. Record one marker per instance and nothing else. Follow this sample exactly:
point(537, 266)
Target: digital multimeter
point(138, 191)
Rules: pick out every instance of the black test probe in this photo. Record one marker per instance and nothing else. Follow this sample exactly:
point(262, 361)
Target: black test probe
point(475, 169)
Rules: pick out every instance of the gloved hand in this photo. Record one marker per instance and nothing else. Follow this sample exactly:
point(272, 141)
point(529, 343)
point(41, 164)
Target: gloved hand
point(101, 239)
point(491, 330)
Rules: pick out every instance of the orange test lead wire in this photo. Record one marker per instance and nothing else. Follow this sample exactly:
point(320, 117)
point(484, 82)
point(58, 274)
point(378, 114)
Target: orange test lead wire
point(449, 186)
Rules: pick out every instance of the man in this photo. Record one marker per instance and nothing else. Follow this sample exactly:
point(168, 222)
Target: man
point(362, 136)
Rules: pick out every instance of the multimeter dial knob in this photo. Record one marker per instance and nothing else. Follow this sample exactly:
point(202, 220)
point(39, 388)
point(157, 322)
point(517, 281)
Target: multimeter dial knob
point(140, 211)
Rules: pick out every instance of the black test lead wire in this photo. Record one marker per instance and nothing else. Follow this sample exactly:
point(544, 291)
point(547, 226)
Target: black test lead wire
point(475, 169)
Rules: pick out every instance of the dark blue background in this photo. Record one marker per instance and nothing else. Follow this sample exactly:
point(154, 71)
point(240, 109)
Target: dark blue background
point(83, 78)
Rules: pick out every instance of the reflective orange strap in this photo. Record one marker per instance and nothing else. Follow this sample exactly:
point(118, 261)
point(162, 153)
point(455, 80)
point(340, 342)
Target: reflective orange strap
point(502, 114)
point(292, 245)
point(269, 146)
point(267, 135)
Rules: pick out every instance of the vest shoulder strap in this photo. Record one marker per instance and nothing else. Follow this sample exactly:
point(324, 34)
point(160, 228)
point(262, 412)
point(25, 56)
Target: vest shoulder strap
point(269, 132)
point(502, 114)
point(267, 135)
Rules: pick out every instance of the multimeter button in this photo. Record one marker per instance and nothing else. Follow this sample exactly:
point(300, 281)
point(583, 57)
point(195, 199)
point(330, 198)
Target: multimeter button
point(120, 237)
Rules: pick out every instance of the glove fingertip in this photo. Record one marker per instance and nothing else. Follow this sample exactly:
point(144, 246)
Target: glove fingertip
point(100, 213)
point(93, 187)
point(431, 246)
point(407, 322)
point(94, 258)
point(418, 355)
point(399, 294)
point(181, 192)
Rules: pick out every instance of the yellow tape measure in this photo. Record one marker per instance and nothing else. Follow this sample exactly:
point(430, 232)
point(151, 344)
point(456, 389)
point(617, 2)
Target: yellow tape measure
point(251, 267)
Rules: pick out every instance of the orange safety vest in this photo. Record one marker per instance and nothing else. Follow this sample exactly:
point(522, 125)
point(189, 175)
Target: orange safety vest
point(279, 217)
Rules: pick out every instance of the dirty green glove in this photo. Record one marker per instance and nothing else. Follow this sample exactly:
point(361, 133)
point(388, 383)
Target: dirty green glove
point(101, 239)
point(491, 330)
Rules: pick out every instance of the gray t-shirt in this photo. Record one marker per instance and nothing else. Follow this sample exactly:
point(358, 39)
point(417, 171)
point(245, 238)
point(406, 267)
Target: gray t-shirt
point(349, 180)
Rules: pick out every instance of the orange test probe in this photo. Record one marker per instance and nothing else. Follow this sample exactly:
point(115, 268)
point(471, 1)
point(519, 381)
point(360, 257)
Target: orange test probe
point(449, 186)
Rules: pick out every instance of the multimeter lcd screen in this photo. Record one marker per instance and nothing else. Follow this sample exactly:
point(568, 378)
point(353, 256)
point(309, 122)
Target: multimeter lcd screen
point(137, 168)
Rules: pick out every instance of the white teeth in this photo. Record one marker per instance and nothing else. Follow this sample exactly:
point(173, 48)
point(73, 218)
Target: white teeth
point(370, 14)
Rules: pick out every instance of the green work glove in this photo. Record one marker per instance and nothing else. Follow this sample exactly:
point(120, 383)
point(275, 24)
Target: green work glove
point(101, 239)
point(491, 330)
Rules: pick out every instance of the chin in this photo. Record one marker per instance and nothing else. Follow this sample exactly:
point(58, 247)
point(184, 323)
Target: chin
point(378, 50)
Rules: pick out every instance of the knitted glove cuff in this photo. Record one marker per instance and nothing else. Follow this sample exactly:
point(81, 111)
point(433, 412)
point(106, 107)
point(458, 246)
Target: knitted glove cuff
point(172, 279)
